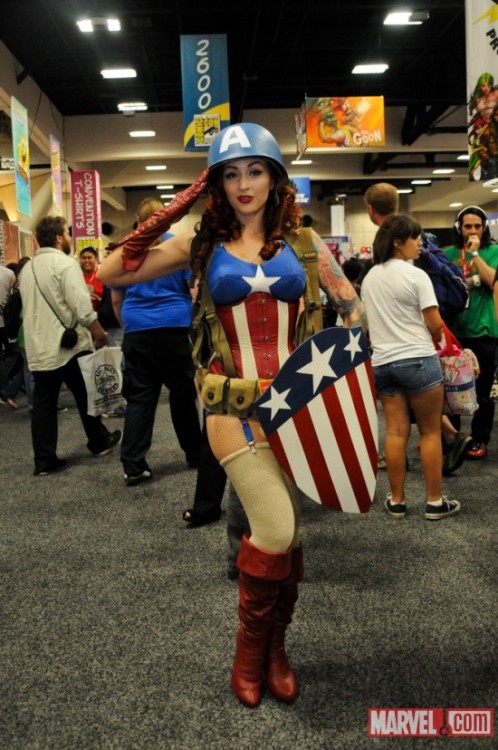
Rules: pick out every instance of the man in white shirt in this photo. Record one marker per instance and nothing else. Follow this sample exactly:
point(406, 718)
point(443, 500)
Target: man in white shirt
point(55, 297)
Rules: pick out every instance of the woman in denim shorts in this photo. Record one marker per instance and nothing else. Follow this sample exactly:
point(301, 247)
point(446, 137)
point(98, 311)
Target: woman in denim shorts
point(404, 321)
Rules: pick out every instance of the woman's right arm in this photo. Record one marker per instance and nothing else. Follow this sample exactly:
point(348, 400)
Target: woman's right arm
point(170, 256)
point(434, 322)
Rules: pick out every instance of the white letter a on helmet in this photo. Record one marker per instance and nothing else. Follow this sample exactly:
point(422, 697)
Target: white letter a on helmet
point(234, 136)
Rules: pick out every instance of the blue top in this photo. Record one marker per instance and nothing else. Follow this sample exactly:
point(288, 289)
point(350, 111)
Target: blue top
point(231, 279)
point(161, 303)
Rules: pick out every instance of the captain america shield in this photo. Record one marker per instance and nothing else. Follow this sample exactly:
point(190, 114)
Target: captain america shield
point(320, 418)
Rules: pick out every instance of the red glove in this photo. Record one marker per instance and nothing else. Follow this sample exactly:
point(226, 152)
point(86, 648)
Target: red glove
point(136, 244)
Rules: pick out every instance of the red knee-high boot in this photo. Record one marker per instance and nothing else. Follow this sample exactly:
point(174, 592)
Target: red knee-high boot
point(280, 678)
point(260, 573)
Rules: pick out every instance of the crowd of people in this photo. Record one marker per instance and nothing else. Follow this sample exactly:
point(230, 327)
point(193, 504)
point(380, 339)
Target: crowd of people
point(243, 267)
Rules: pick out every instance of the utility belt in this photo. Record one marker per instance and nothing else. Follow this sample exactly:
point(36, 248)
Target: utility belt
point(234, 397)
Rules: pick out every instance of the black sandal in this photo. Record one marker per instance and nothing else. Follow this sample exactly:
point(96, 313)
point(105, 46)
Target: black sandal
point(194, 519)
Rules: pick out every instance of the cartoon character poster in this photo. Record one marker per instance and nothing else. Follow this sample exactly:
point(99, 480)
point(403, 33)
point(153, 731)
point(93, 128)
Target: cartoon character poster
point(20, 146)
point(482, 89)
point(344, 122)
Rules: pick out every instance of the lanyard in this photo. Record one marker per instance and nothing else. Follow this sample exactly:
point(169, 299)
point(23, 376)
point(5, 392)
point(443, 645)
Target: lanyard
point(466, 266)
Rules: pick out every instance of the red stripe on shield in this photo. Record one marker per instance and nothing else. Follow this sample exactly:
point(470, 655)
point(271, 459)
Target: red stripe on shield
point(316, 460)
point(346, 446)
point(357, 396)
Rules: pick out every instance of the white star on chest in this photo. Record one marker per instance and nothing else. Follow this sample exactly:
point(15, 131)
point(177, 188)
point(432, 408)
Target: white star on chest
point(319, 366)
point(276, 401)
point(260, 282)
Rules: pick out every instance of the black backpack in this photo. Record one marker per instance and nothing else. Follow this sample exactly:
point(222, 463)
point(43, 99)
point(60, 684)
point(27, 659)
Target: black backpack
point(12, 314)
point(449, 283)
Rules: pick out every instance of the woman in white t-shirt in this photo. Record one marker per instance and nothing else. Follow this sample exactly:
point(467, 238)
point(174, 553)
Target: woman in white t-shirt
point(404, 321)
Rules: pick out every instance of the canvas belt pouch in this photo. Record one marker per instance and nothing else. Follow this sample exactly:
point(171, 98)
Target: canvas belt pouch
point(231, 396)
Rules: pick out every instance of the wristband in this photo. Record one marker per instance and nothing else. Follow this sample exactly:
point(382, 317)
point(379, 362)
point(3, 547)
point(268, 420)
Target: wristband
point(475, 254)
point(476, 280)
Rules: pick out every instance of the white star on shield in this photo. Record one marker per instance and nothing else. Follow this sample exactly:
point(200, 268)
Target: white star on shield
point(354, 346)
point(276, 401)
point(319, 365)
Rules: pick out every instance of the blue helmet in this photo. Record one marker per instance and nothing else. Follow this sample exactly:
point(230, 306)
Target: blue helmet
point(243, 140)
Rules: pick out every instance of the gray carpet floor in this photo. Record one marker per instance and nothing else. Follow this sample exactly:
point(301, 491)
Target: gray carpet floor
point(118, 623)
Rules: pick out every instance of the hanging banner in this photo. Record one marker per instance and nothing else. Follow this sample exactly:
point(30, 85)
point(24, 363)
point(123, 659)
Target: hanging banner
point(85, 209)
point(9, 242)
point(481, 18)
point(55, 170)
point(303, 187)
point(206, 106)
point(341, 122)
point(20, 153)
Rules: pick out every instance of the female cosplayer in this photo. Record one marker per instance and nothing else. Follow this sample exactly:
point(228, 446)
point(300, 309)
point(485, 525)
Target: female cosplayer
point(256, 283)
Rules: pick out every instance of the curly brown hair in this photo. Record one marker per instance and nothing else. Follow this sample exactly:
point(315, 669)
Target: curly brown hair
point(219, 223)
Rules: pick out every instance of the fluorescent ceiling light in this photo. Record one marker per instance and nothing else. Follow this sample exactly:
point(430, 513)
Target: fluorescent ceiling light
point(369, 68)
point(421, 182)
point(118, 73)
point(155, 168)
point(463, 157)
point(168, 195)
point(443, 170)
point(165, 187)
point(87, 25)
point(301, 162)
point(404, 18)
point(402, 191)
point(132, 107)
point(113, 24)
point(455, 205)
point(142, 133)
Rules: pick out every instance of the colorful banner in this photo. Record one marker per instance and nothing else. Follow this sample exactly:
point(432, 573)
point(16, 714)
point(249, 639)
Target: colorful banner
point(85, 209)
point(206, 106)
point(482, 89)
point(342, 122)
point(55, 170)
point(20, 153)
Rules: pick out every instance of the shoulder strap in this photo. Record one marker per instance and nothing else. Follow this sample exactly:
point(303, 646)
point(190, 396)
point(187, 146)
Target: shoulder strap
point(311, 319)
point(41, 292)
point(205, 310)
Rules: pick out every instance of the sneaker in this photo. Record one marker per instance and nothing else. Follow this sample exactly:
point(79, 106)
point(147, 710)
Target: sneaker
point(455, 453)
point(397, 510)
point(476, 451)
point(143, 477)
point(447, 509)
point(112, 440)
point(381, 461)
point(58, 465)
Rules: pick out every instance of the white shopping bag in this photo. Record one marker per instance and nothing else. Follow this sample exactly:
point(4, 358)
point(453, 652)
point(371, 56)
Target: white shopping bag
point(103, 378)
